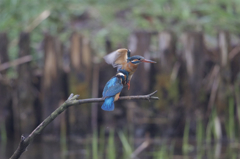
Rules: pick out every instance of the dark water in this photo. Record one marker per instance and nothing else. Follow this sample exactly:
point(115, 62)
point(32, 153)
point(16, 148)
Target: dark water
point(45, 150)
point(157, 149)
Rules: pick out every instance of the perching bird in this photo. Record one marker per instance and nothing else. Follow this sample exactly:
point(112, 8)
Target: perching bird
point(112, 90)
point(122, 60)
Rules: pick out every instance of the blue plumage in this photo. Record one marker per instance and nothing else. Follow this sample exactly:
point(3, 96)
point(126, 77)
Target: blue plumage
point(109, 84)
point(108, 104)
point(113, 87)
point(113, 90)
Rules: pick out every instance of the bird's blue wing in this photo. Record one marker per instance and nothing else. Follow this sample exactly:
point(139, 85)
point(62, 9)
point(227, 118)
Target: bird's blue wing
point(109, 84)
point(113, 90)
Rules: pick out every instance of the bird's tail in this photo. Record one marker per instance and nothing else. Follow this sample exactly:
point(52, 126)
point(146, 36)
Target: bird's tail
point(108, 104)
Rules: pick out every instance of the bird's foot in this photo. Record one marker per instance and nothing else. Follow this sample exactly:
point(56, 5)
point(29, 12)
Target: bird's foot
point(128, 85)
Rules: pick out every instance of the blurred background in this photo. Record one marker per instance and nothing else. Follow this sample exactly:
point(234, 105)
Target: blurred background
point(49, 49)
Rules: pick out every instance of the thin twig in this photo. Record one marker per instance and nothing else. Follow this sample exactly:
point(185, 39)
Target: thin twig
point(175, 71)
point(41, 17)
point(234, 52)
point(214, 88)
point(142, 147)
point(72, 100)
point(16, 62)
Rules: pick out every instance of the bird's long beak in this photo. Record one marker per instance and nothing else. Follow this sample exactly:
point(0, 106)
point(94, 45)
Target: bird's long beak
point(148, 61)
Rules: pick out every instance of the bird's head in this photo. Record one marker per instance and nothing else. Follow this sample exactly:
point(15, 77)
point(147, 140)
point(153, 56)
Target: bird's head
point(121, 76)
point(126, 73)
point(138, 59)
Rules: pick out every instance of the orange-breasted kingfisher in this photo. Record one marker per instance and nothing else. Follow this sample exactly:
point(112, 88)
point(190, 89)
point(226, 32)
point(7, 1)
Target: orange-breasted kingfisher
point(122, 60)
point(112, 90)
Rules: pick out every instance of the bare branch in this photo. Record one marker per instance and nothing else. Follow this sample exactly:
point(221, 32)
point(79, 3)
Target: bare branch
point(72, 100)
point(44, 15)
point(143, 97)
point(234, 52)
point(143, 146)
point(16, 62)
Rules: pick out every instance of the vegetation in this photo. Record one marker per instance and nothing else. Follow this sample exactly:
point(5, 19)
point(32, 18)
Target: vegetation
point(99, 20)
point(115, 19)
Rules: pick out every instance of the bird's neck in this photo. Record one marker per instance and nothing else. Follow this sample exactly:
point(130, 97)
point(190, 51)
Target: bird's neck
point(130, 67)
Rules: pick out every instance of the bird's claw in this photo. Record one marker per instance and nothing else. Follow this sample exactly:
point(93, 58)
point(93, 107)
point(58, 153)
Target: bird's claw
point(128, 84)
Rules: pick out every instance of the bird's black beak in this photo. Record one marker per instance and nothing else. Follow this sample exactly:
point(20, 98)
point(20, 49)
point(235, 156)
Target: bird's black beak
point(148, 61)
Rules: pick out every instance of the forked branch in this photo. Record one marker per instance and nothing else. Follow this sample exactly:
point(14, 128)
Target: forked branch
point(72, 100)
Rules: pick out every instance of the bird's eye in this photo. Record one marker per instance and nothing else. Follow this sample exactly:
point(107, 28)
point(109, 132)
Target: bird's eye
point(139, 59)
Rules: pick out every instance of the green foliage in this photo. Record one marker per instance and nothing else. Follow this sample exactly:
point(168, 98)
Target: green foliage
point(199, 135)
point(111, 150)
point(185, 146)
point(173, 91)
point(127, 148)
point(165, 151)
point(164, 84)
point(162, 153)
point(63, 142)
point(88, 149)
point(230, 124)
point(95, 145)
point(117, 19)
point(210, 127)
point(102, 143)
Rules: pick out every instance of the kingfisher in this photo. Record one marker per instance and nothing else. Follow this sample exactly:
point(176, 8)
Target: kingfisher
point(113, 89)
point(122, 60)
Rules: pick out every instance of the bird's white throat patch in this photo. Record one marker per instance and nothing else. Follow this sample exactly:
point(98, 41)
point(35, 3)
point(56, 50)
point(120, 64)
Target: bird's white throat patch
point(120, 74)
